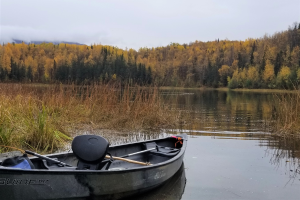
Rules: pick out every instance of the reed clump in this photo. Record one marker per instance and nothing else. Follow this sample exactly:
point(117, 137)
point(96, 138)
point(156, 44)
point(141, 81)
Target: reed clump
point(286, 115)
point(43, 118)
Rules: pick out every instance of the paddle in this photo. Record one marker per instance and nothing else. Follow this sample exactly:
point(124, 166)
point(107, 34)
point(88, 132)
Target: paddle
point(139, 152)
point(48, 159)
point(128, 160)
point(131, 154)
point(133, 161)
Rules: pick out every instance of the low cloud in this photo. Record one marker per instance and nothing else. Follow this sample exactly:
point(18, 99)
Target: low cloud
point(28, 34)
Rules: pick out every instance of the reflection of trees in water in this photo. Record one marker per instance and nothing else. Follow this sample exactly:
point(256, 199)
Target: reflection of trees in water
point(284, 152)
point(223, 110)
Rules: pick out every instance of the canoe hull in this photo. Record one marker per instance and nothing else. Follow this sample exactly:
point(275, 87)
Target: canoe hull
point(34, 184)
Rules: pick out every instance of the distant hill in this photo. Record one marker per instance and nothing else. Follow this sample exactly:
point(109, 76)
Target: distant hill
point(17, 41)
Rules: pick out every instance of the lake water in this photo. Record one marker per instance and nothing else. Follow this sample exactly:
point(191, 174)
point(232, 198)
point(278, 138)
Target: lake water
point(230, 154)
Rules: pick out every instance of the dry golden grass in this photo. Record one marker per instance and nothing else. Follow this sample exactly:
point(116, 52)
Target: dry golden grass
point(43, 118)
point(286, 115)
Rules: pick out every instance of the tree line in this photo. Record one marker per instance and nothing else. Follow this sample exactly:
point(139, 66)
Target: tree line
point(80, 64)
point(272, 61)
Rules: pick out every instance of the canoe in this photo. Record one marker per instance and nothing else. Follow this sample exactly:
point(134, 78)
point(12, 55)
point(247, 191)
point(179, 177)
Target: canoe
point(93, 170)
point(172, 189)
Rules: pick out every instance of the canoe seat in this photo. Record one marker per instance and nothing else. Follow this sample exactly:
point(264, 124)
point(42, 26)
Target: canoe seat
point(90, 150)
point(160, 150)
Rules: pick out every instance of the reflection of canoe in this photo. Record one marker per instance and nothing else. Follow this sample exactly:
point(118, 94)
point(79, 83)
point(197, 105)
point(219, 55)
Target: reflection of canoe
point(172, 189)
point(52, 181)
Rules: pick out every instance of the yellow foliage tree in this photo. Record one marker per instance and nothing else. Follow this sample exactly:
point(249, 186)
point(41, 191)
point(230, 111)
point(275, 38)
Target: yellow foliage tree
point(268, 74)
point(253, 74)
point(283, 75)
point(30, 62)
point(295, 57)
point(224, 72)
point(243, 76)
point(298, 74)
point(6, 59)
point(235, 64)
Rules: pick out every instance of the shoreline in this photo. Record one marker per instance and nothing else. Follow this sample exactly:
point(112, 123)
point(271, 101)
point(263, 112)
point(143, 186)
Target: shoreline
point(261, 90)
point(235, 90)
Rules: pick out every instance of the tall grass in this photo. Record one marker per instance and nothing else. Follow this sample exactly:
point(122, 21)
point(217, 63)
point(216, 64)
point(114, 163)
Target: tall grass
point(43, 118)
point(286, 115)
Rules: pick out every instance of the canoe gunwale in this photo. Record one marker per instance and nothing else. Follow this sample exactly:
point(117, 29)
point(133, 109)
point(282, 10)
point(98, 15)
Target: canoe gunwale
point(72, 171)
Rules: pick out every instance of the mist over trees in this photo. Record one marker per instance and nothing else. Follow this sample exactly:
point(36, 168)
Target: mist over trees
point(272, 61)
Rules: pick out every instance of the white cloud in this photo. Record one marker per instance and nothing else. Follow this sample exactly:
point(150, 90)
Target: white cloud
point(136, 23)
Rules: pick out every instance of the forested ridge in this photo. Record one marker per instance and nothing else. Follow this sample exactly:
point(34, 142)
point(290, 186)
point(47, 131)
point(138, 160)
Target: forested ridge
point(272, 61)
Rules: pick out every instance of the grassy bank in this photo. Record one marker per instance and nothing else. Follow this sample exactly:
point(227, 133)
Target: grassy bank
point(44, 118)
point(286, 115)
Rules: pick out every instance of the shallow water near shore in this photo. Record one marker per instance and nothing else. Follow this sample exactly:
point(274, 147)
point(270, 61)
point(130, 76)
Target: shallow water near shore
point(232, 168)
point(230, 153)
point(237, 168)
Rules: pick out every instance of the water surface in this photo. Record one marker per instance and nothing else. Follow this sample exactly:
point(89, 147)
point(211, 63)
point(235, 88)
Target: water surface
point(237, 168)
point(230, 154)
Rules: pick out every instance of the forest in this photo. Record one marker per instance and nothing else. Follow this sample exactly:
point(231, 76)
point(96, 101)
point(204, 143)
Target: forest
point(272, 61)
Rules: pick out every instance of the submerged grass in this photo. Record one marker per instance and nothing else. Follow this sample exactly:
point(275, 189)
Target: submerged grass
point(286, 115)
point(44, 118)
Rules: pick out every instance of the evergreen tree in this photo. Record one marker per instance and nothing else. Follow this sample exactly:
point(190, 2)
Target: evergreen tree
point(240, 61)
point(278, 62)
point(13, 70)
point(22, 75)
point(139, 74)
point(2, 74)
point(252, 52)
point(53, 71)
point(41, 73)
point(149, 76)
point(263, 63)
point(29, 74)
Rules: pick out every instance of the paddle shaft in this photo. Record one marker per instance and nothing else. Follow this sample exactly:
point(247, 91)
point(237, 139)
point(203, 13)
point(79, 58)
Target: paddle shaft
point(131, 154)
point(47, 158)
point(127, 160)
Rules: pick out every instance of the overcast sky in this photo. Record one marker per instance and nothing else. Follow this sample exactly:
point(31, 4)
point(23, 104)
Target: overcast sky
point(143, 23)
